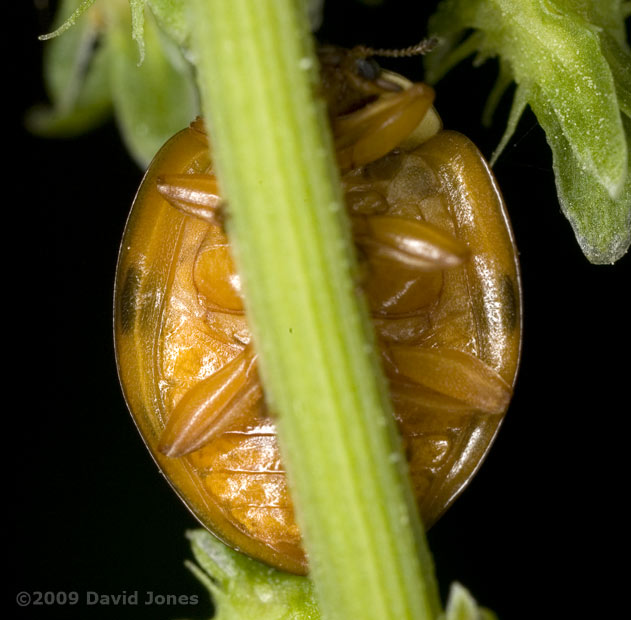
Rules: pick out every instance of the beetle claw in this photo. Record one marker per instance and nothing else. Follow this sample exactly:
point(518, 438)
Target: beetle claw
point(193, 194)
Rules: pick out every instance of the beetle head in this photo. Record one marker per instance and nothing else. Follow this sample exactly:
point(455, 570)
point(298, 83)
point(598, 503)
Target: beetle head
point(353, 78)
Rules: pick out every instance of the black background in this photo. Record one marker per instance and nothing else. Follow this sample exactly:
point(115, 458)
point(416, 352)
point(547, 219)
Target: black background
point(538, 533)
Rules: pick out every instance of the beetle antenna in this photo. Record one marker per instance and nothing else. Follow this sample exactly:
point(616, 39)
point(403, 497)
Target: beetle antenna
point(422, 47)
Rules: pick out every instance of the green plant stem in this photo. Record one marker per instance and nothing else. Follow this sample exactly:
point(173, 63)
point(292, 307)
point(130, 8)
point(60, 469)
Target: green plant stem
point(258, 75)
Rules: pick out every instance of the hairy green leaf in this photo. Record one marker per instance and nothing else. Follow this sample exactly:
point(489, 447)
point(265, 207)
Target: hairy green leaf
point(244, 589)
point(138, 26)
point(572, 57)
point(75, 73)
point(152, 100)
point(171, 16)
point(602, 224)
point(78, 9)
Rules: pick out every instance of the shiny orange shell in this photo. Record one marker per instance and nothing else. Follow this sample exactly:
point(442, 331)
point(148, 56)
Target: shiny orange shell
point(449, 332)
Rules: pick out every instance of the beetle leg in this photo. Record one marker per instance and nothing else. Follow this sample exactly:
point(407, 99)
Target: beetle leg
point(455, 374)
point(412, 396)
point(193, 194)
point(215, 275)
point(211, 406)
point(404, 263)
point(410, 243)
point(364, 200)
point(379, 127)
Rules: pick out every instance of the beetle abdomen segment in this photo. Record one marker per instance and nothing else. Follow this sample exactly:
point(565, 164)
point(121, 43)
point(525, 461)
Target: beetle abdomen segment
point(242, 470)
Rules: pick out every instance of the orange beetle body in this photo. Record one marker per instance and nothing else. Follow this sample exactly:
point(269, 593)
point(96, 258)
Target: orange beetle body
point(441, 280)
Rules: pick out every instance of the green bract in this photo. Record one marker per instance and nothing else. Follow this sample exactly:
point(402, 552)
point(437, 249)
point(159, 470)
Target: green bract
point(93, 65)
point(244, 588)
point(75, 74)
point(570, 60)
point(462, 606)
point(172, 19)
point(154, 99)
point(129, 55)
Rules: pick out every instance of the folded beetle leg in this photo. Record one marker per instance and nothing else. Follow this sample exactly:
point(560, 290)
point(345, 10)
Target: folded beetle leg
point(376, 129)
point(454, 374)
point(212, 405)
point(413, 244)
point(193, 194)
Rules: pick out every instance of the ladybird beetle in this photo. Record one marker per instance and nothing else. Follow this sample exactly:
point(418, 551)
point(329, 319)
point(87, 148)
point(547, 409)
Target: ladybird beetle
point(439, 270)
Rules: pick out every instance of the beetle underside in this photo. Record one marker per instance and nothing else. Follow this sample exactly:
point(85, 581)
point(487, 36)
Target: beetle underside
point(440, 278)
